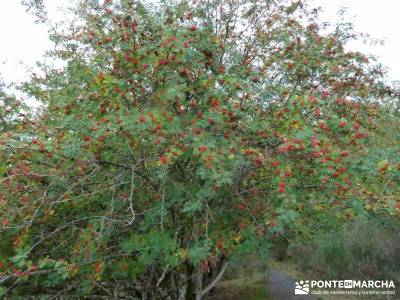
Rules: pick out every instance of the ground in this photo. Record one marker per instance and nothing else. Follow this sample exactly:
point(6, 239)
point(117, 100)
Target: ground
point(279, 285)
point(244, 288)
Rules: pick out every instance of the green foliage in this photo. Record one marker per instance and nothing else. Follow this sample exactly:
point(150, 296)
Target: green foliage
point(363, 249)
point(174, 140)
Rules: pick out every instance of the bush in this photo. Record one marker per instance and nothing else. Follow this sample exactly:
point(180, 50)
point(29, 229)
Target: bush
point(363, 249)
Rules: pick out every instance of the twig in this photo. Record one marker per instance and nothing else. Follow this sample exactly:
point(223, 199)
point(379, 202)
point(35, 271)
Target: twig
point(103, 288)
point(162, 275)
point(162, 211)
point(216, 279)
point(131, 198)
point(61, 228)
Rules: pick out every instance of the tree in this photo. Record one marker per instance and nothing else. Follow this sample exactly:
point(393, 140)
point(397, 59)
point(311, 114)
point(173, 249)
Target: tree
point(172, 141)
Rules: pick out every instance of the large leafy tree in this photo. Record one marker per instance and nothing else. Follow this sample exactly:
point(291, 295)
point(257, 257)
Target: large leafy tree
point(177, 137)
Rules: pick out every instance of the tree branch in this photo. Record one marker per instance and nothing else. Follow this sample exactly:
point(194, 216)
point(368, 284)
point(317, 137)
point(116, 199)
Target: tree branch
point(217, 278)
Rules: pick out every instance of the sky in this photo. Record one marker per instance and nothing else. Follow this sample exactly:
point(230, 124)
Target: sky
point(380, 19)
point(23, 42)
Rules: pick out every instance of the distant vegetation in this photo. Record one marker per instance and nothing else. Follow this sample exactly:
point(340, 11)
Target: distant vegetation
point(178, 138)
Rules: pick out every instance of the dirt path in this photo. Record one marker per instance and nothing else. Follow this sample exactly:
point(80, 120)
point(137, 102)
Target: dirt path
point(281, 287)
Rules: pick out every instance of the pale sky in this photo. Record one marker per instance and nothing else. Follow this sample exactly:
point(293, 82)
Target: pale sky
point(380, 19)
point(23, 42)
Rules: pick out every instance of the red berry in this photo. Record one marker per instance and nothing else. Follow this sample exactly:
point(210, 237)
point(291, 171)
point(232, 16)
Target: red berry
point(203, 148)
point(276, 163)
point(339, 101)
point(196, 130)
point(258, 162)
point(359, 135)
point(142, 119)
point(214, 103)
point(313, 100)
point(291, 147)
point(248, 152)
point(282, 187)
point(163, 160)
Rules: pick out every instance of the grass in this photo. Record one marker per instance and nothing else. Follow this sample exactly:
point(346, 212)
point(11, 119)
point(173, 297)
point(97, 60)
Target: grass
point(244, 288)
point(243, 280)
point(292, 268)
point(289, 267)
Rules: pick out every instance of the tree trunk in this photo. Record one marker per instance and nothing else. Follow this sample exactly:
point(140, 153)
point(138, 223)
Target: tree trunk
point(198, 280)
point(190, 288)
point(194, 289)
point(214, 281)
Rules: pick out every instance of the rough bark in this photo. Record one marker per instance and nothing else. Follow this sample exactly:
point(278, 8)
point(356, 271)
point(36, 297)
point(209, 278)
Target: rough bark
point(190, 288)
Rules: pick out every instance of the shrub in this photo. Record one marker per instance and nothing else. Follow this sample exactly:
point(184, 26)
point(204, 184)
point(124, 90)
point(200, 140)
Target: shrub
point(172, 142)
point(362, 249)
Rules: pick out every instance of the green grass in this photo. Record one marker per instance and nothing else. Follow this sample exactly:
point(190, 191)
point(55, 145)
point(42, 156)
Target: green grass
point(291, 267)
point(244, 288)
